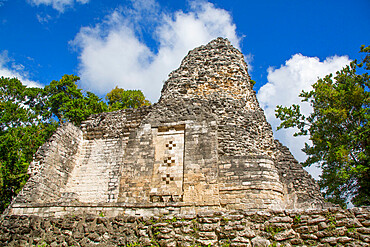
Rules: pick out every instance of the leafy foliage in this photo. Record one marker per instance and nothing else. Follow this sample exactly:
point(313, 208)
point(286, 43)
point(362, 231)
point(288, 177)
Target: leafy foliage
point(67, 102)
point(119, 98)
point(339, 130)
point(22, 131)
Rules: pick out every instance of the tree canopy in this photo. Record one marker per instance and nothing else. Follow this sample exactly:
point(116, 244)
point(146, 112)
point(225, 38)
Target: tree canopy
point(119, 98)
point(23, 128)
point(67, 102)
point(339, 131)
point(29, 116)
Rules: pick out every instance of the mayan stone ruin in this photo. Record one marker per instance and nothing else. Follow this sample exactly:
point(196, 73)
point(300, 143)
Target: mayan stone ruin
point(198, 168)
point(205, 145)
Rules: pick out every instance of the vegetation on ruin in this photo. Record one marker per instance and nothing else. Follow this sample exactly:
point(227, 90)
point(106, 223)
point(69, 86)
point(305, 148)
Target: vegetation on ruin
point(29, 116)
point(66, 102)
point(119, 98)
point(339, 130)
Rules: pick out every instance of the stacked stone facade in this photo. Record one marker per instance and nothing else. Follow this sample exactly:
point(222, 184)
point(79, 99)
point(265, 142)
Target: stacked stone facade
point(322, 228)
point(206, 145)
point(52, 167)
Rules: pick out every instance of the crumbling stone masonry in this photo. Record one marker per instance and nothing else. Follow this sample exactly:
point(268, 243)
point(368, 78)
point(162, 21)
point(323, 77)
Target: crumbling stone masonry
point(206, 145)
point(317, 227)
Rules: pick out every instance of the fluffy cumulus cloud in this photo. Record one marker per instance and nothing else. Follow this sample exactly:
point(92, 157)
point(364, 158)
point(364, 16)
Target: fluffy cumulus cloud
point(113, 52)
point(59, 5)
point(283, 87)
point(10, 69)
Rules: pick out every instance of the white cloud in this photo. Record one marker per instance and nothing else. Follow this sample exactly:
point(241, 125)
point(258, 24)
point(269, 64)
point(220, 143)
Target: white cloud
point(43, 19)
point(283, 87)
point(10, 69)
point(59, 5)
point(113, 53)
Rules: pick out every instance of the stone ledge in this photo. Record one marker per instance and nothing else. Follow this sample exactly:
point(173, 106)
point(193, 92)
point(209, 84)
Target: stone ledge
point(113, 205)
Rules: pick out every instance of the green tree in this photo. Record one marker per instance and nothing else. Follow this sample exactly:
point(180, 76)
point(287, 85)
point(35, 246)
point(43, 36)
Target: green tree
point(339, 130)
point(119, 98)
point(68, 103)
point(22, 131)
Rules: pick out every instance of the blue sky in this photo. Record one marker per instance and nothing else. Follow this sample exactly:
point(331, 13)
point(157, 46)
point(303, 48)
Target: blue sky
point(136, 44)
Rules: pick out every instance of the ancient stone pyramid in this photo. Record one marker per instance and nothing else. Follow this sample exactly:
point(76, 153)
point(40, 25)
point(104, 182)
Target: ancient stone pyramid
point(205, 145)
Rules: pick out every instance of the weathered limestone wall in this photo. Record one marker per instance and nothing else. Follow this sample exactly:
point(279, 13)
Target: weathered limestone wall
point(174, 162)
point(52, 166)
point(79, 165)
point(118, 124)
point(199, 168)
point(201, 184)
point(330, 227)
point(300, 188)
point(257, 177)
point(95, 177)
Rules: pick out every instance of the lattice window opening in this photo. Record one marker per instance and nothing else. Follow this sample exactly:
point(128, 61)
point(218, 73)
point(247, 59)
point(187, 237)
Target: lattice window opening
point(168, 178)
point(169, 161)
point(170, 145)
point(166, 198)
